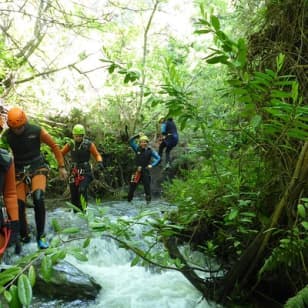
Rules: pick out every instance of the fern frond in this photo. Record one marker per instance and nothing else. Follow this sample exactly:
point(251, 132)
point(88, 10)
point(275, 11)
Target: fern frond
point(287, 254)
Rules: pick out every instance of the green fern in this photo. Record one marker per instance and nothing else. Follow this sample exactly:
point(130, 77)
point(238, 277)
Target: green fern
point(287, 254)
point(300, 300)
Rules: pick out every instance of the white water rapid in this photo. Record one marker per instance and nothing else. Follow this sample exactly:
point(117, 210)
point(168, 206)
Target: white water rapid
point(124, 286)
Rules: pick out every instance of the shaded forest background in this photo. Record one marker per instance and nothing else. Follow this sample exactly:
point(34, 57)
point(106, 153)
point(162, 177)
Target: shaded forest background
point(236, 86)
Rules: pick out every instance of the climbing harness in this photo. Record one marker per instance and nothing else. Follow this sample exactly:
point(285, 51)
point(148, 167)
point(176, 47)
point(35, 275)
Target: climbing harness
point(76, 176)
point(136, 176)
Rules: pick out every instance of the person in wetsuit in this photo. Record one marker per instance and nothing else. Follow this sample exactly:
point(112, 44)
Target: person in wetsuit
point(24, 140)
point(146, 158)
point(9, 217)
point(81, 175)
point(169, 140)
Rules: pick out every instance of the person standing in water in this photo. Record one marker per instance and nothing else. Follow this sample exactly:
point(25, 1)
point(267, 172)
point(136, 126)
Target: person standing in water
point(146, 158)
point(170, 138)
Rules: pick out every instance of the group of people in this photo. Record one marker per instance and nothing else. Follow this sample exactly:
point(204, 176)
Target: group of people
point(24, 171)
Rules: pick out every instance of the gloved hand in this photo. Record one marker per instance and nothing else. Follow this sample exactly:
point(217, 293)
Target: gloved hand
point(15, 235)
point(63, 173)
point(100, 165)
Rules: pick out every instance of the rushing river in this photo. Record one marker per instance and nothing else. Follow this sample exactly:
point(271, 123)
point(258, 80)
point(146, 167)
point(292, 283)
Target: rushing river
point(123, 285)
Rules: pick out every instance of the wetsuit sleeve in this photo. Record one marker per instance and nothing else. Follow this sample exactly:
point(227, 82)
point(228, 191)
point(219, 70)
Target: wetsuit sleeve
point(155, 158)
point(94, 152)
point(9, 193)
point(65, 149)
point(132, 142)
point(47, 139)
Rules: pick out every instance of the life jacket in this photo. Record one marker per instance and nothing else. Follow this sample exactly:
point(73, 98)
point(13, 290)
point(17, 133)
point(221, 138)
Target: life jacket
point(26, 146)
point(143, 157)
point(80, 154)
point(5, 162)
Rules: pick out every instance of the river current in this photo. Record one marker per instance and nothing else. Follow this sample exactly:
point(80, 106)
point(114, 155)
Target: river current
point(123, 285)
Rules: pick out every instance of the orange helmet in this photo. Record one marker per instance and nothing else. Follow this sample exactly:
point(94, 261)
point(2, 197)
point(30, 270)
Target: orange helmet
point(16, 117)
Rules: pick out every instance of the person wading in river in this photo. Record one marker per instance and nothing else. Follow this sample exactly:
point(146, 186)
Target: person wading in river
point(146, 159)
point(80, 168)
point(9, 217)
point(25, 139)
point(169, 139)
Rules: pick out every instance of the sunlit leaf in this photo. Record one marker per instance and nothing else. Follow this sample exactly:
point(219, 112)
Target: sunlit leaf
point(233, 214)
point(32, 275)
point(135, 261)
point(46, 268)
point(70, 230)
point(305, 225)
point(78, 254)
point(55, 225)
point(86, 243)
point(9, 274)
point(24, 290)
point(15, 302)
point(60, 255)
point(8, 296)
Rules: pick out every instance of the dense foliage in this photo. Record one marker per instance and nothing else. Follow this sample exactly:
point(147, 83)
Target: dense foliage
point(238, 92)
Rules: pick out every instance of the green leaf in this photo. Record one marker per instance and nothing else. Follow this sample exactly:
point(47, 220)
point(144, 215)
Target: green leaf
point(215, 22)
point(70, 230)
point(24, 290)
point(280, 61)
point(218, 59)
point(55, 225)
point(203, 31)
point(98, 226)
point(295, 91)
point(306, 201)
point(270, 73)
point(233, 214)
point(78, 254)
point(261, 75)
point(135, 261)
point(178, 263)
point(59, 255)
point(8, 296)
point(9, 274)
point(111, 68)
point(127, 78)
point(32, 275)
point(300, 300)
point(277, 93)
point(55, 241)
point(46, 268)
point(301, 211)
point(86, 243)
point(305, 225)
point(15, 302)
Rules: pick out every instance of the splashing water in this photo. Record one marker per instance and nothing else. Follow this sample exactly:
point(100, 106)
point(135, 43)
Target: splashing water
point(123, 285)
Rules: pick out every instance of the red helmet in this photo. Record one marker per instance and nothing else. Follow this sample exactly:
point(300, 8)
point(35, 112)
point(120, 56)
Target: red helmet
point(16, 117)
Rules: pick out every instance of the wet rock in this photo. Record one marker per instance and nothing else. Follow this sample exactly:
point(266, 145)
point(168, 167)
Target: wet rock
point(68, 283)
